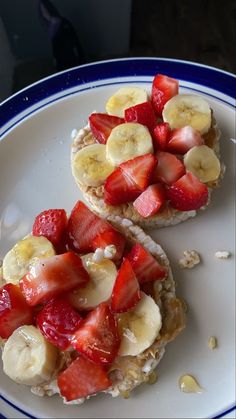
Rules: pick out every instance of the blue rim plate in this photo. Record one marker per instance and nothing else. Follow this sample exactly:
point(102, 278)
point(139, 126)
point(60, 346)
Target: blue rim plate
point(218, 84)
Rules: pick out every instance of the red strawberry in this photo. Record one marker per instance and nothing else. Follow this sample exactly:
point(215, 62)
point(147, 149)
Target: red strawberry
point(110, 237)
point(127, 182)
point(118, 189)
point(101, 125)
point(81, 379)
point(58, 321)
point(182, 139)
point(151, 200)
point(97, 338)
point(163, 89)
point(53, 276)
point(169, 168)
point(52, 225)
point(139, 170)
point(188, 193)
point(145, 266)
point(126, 292)
point(14, 311)
point(161, 136)
point(83, 227)
point(142, 113)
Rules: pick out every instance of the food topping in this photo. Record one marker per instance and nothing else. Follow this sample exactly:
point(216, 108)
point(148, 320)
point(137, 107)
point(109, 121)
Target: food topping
point(190, 259)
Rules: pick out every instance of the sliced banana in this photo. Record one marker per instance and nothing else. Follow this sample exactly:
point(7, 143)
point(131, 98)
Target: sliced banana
point(99, 288)
point(182, 110)
point(18, 260)
point(90, 166)
point(27, 357)
point(139, 327)
point(203, 163)
point(127, 141)
point(124, 98)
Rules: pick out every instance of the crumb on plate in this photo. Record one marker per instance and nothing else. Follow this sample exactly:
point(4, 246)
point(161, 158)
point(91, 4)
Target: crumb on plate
point(222, 254)
point(190, 259)
point(212, 342)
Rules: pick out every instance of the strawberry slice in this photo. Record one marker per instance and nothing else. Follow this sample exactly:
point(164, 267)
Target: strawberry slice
point(126, 291)
point(163, 89)
point(52, 225)
point(161, 136)
point(139, 170)
point(145, 266)
point(97, 338)
point(128, 181)
point(169, 168)
point(83, 227)
point(188, 193)
point(182, 139)
point(53, 276)
point(81, 379)
point(58, 321)
point(142, 113)
point(151, 200)
point(14, 311)
point(119, 189)
point(101, 125)
point(110, 237)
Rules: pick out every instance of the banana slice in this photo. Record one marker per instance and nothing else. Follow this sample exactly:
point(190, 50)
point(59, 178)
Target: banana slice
point(139, 327)
point(99, 288)
point(127, 141)
point(27, 357)
point(18, 260)
point(90, 166)
point(182, 110)
point(124, 98)
point(203, 163)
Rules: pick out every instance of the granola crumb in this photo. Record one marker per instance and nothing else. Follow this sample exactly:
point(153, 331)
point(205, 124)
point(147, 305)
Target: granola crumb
point(125, 394)
point(152, 378)
point(222, 254)
point(212, 342)
point(190, 259)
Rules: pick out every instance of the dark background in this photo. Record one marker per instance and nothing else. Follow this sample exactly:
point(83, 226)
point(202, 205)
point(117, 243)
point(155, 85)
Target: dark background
point(41, 37)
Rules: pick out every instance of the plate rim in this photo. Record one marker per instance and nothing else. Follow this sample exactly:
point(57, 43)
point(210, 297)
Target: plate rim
point(9, 102)
point(62, 81)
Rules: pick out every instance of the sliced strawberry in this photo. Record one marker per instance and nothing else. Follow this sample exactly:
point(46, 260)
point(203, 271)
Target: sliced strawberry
point(169, 168)
point(52, 225)
point(83, 227)
point(139, 170)
point(182, 139)
point(142, 113)
point(58, 321)
point(163, 89)
point(161, 136)
point(110, 237)
point(81, 379)
point(188, 193)
point(97, 338)
point(126, 291)
point(101, 125)
point(53, 276)
point(119, 189)
point(145, 266)
point(14, 311)
point(151, 200)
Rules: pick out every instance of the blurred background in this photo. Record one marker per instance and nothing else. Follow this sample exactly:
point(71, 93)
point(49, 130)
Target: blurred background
point(41, 37)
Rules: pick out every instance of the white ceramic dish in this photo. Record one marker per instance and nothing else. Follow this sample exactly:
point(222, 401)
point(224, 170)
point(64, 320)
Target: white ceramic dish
point(35, 174)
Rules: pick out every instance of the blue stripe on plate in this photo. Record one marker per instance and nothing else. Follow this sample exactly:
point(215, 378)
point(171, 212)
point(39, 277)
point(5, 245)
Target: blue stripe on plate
point(17, 408)
point(192, 72)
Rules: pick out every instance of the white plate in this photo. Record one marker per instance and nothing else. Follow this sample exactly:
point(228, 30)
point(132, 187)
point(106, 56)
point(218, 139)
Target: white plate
point(35, 175)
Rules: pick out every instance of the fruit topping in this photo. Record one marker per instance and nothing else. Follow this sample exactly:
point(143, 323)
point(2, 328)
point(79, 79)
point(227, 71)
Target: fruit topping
point(151, 200)
point(126, 292)
point(97, 338)
point(169, 168)
point(163, 89)
point(53, 276)
point(101, 125)
point(188, 193)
